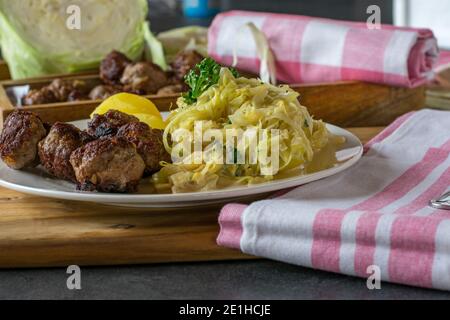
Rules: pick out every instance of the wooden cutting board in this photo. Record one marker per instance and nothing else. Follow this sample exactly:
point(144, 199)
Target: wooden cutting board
point(41, 232)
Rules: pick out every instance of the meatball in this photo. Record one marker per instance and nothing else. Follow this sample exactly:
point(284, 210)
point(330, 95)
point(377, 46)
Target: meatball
point(77, 95)
point(61, 89)
point(39, 96)
point(109, 123)
point(57, 91)
point(143, 78)
point(55, 150)
point(79, 91)
point(19, 139)
point(171, 89)
point(108, 165)
point(184, 62)
point(149, 144)
point(112, 67)
point(102, 92)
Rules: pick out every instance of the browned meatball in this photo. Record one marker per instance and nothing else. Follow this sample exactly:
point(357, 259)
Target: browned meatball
point(149, 144)
point(39, 96)
point(55, 150)
point(184, 62)
point(109, 123)
point(143, 78)
point(78, 91)
point(102, 92)
point(171, 89)
point(77, 95)
point(57, 91)
point(108, 165)
point(112, 67)
point(19, 139)
point(61, 89)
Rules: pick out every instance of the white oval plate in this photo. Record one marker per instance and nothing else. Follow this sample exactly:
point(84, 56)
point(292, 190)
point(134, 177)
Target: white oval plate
point(37, 182)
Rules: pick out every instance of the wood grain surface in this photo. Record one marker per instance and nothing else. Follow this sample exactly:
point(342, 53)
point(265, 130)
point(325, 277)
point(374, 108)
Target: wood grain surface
point(359, 104)
point(41, 232)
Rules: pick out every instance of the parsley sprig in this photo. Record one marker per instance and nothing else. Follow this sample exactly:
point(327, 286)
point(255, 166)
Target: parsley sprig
point(201, 77)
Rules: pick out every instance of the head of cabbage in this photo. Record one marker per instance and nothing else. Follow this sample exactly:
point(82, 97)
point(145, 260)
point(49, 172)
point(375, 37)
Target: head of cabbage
point(40, 37)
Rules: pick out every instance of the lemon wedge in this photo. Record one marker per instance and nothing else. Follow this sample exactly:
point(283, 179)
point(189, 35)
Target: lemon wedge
point(130, 104)
point(153, 121)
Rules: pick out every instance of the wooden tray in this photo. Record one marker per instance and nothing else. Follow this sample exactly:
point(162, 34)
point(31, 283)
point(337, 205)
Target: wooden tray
point(438, 93)
point(346, 104)
point(4, 71)
point(41, 232)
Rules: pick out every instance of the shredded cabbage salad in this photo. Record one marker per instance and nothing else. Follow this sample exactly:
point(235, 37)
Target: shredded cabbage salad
point(240, 103)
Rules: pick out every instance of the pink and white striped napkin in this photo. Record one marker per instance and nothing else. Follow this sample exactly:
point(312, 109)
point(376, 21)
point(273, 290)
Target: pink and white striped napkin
point(375, 213)
point(311, 50)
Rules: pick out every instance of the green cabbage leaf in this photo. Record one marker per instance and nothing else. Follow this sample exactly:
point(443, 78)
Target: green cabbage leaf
point(35, 38)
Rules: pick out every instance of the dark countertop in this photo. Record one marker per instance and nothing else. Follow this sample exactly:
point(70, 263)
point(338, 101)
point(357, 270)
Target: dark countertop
point(225, 280)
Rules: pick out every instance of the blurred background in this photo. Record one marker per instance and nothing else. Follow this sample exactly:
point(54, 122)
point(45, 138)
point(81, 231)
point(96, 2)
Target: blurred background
point(167, 14)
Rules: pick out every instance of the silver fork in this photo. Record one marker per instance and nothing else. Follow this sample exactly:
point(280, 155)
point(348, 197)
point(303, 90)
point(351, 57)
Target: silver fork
point(443, 202)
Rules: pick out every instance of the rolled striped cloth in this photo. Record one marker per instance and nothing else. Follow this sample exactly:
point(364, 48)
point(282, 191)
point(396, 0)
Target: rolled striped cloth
point(312, 50)
point(374, 214)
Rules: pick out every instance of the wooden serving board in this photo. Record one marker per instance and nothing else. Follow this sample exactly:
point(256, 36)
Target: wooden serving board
point(41, 232)
point(346, 104)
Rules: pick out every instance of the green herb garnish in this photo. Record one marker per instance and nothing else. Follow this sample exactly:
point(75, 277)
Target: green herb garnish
point(202, 77)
